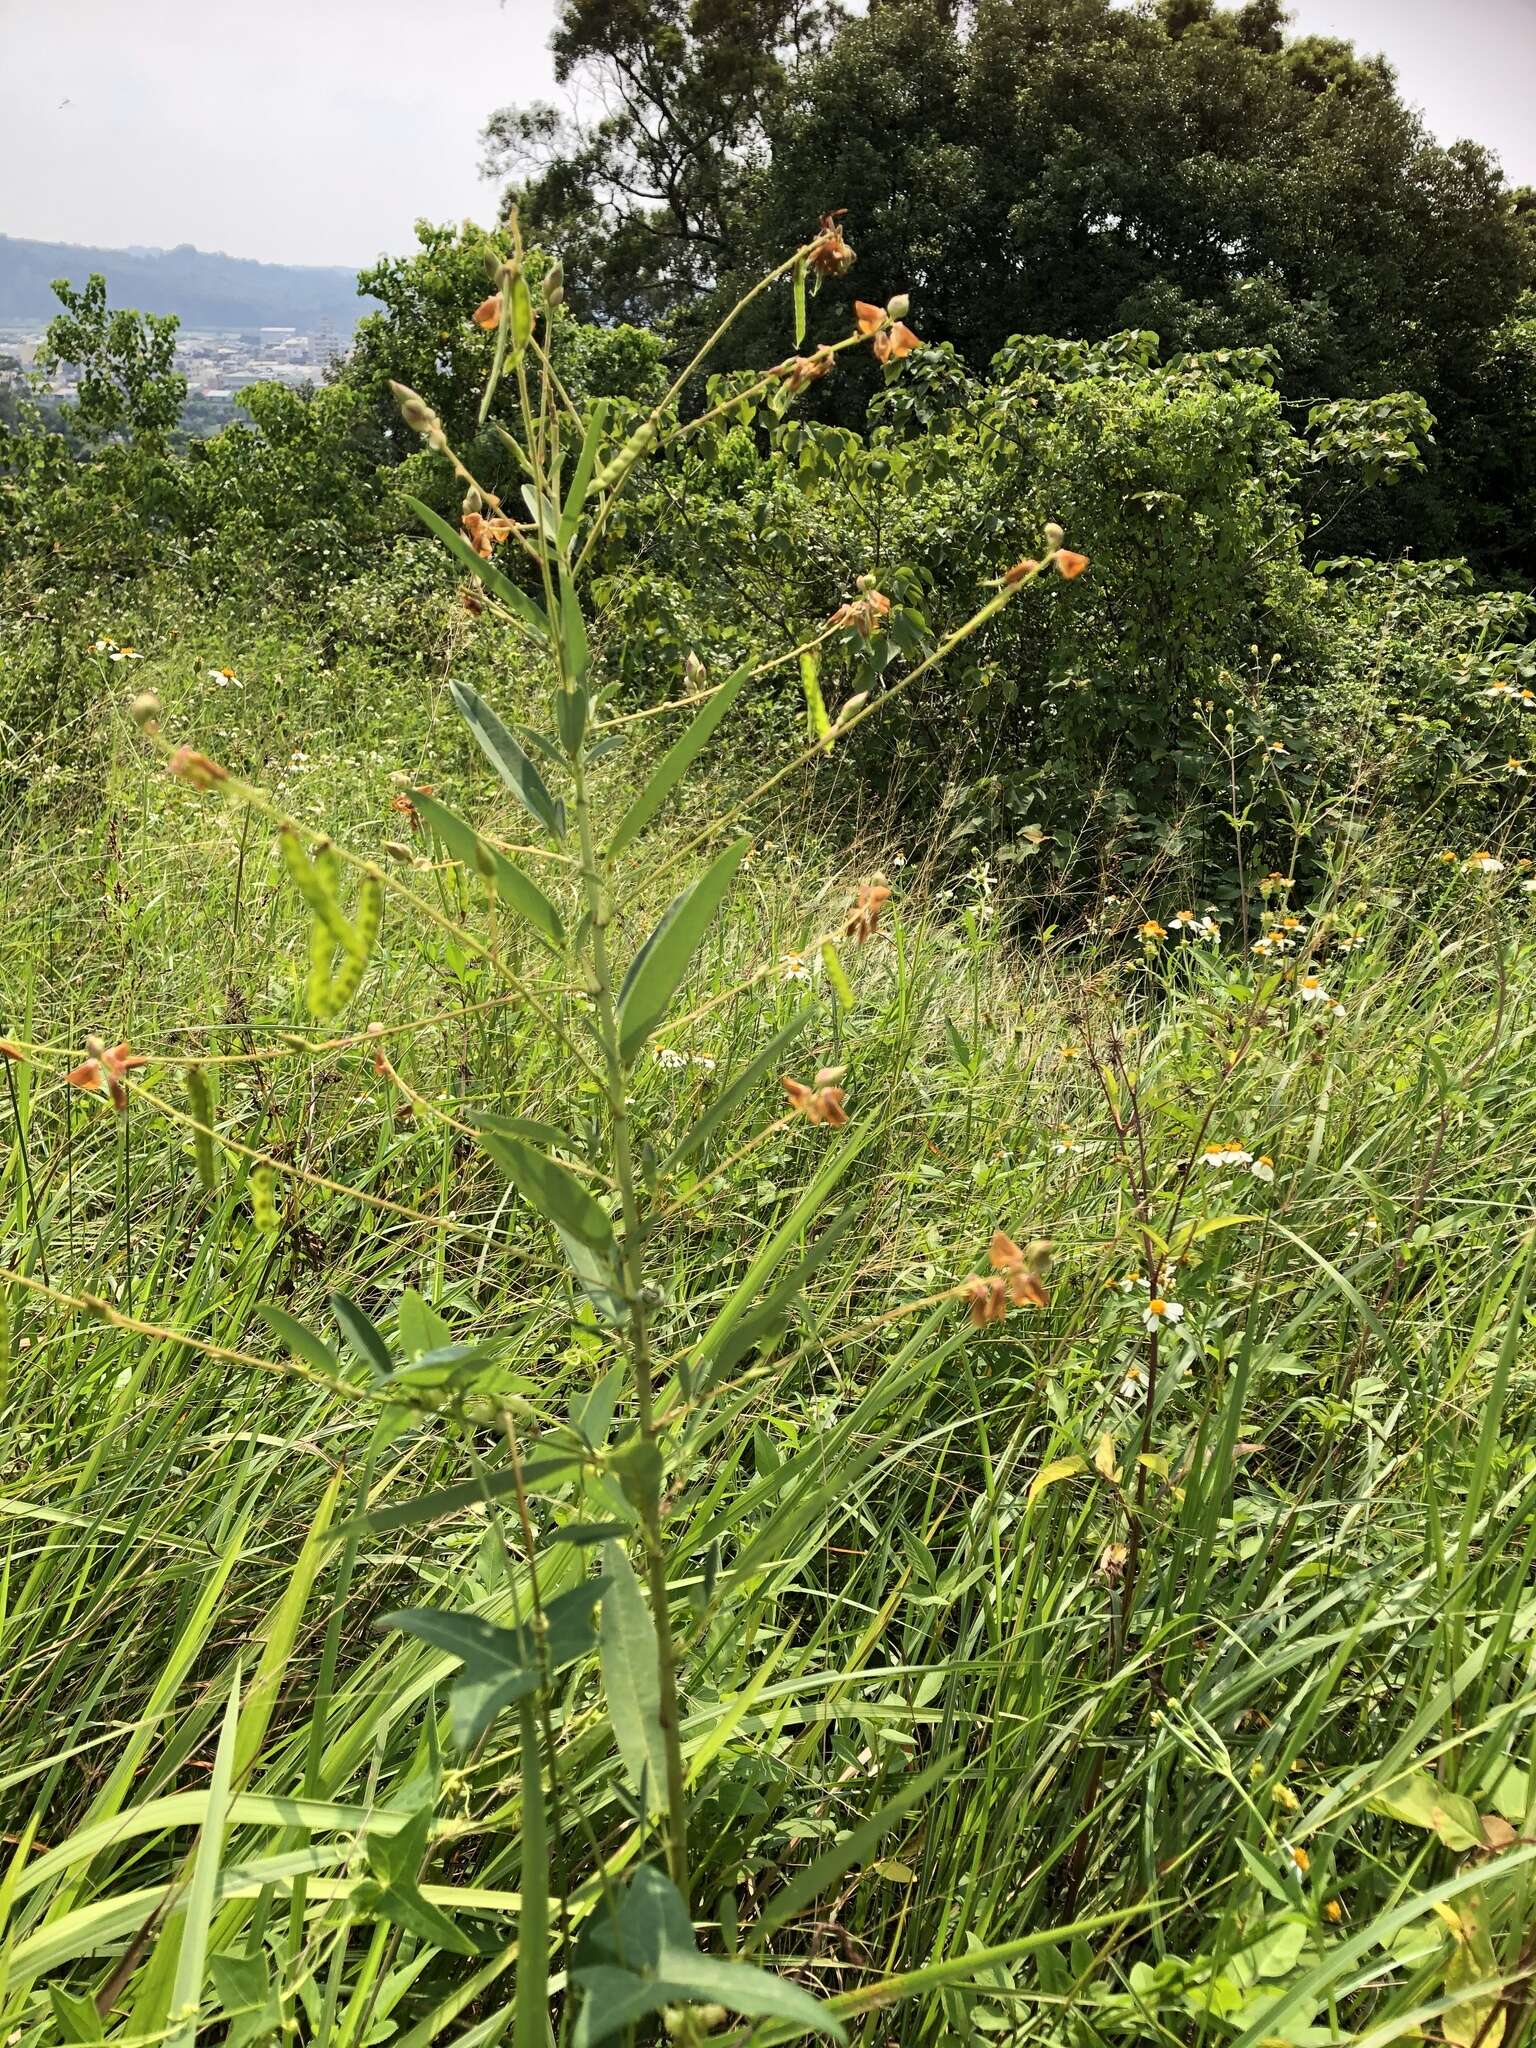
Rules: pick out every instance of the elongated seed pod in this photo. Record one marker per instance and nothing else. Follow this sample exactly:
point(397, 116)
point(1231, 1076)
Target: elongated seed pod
point(315, 882)
point(263, 1187)
point(369, 914)
point(345, 982)
point(614, 472)
point(200, 1101)
point(317, 983)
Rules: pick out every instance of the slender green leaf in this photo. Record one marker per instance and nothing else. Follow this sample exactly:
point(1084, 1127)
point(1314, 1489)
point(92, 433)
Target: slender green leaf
point(526, 610)
point(675, 763)
point(517, 890)
point(202, 1893)
point(509, 760)
point(665, 957)
point(586, 462)
point(530, 2023)
point(630, 1679)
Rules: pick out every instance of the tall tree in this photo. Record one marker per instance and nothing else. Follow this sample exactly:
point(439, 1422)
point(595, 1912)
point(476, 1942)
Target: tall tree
point(641, 189)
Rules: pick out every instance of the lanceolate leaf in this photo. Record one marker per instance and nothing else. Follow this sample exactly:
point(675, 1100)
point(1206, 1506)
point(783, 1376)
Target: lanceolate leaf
point(586, 462)
point(581, 1225)
point(514, 888)
point(676, 762)
point(509, 759)
point(628, 1651)
point(576, 663)
point(528, 611)
point(664, 959)
point(499, 1665)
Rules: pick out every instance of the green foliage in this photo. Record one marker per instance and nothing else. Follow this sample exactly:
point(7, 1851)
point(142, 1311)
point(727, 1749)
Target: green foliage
point(125, 362)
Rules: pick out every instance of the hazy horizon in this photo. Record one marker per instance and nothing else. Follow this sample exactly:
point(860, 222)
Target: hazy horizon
point(320, 136)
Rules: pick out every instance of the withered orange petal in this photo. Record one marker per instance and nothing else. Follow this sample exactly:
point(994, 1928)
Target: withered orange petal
point(1069, 564)
point(870, 318)
point(87, 1075)
point(488, 313)
point(1004, 1253)
point(1025, 1287)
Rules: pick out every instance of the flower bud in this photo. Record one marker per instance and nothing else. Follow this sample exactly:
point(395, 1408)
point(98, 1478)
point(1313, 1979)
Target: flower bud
point(1054, 534)
point(694, 672)
point(554, 286)
point(417, 414)
point(473, 502)
point(899, 307)
point(145, 711)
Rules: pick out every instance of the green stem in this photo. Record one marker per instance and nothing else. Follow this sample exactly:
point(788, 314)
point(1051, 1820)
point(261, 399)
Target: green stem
point(598, 904)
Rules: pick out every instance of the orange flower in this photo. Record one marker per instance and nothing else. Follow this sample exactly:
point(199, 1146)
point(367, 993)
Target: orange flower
point(1068, 564)
point(188, 765)
point(988, 1300)
point(822, 1102)
point(485, 535)
point(893, 338)
point(863, 919)
point(488, 313)
point(103, 1072)
point(799, 371)
point(866, 612)
point(894, 342)
point(1020, 1270)
point(829, 255)
point(1019, 571)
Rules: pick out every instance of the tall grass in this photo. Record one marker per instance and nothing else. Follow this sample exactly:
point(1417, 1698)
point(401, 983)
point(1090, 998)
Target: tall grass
point(1059, 1679)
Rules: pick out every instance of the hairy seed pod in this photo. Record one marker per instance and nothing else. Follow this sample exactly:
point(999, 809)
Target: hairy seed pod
point(317, 983)
point(315, 881)
point(369, 914)
point(346, 981)
point(263, 1187)
point(200, 1101)
point(613, 473)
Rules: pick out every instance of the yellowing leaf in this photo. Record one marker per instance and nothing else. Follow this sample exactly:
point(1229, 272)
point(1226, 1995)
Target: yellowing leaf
point(1104, 1461)
point(1423, 1802)
point(1059, 1468)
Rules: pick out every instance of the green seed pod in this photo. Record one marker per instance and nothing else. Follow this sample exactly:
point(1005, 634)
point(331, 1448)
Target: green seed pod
point(613, 473)
point(369, 914)
point(346, 981)
point(200, 1101)
point(263, 1187)
point(315, 881)
point(317, 984)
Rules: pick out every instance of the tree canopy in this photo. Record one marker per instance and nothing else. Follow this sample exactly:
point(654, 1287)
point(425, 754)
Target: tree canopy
point(1021, 167)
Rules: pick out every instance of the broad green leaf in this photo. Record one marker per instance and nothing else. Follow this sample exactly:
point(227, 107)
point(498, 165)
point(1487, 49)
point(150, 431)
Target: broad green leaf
point(1423, 1802)
point(403, 1905)
point(641, 1956)
point(674, 764)
point(447, 1500)
point(303, 1343)
point(525, 609)
point(1049, 1475)
point(421, 1329)
point(627, 1641)
point(586, 462)
point(581, 1225)
point(500, 1665)
point(664, 959)
point(517, 890)
point(546, 1136)
point(77, 2017)
point(509, 759)
point(244, 1986)
point(359, 1334)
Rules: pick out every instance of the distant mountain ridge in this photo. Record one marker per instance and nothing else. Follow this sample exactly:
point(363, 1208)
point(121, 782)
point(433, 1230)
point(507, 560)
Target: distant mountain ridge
point(203, 288)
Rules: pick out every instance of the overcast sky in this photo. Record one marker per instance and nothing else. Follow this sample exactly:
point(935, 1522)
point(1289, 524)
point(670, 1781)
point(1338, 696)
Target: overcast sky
point(317, 131)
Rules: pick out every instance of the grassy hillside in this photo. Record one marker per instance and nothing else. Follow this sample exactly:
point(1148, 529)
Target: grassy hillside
point(1092, 1675)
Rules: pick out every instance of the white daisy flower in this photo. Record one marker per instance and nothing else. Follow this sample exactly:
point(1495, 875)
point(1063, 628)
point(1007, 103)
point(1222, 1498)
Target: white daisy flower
point(124, 654)
point(1262, 1168)
point(1310, 990)
point(795, 967)
point(1134, 1385)
point(1159, 1311)
point(670, 1059)
point(1485, 863)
